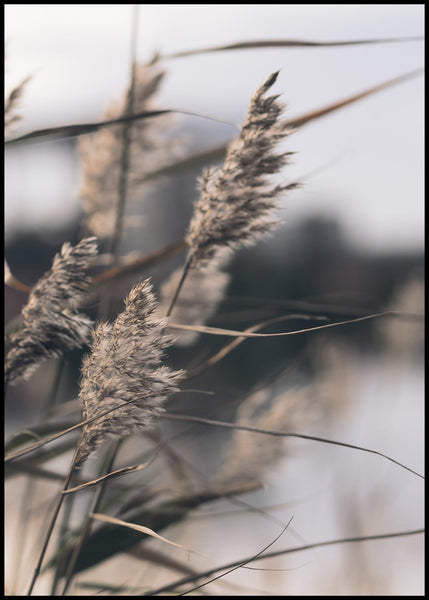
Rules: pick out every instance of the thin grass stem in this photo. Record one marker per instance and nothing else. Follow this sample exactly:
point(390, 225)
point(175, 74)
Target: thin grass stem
point(191, 419)
point(86, 529)
point(185, 271)
point(50, 528)
point(348, 540)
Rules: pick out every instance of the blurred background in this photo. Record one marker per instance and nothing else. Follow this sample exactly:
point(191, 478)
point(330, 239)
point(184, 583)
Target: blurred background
point(370, 155)
point(352, 240)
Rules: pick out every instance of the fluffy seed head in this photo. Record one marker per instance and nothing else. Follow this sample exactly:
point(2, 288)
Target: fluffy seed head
point(50, 322)
point(237, 201)
point(125, 365)
point(101, 154)
point(11, 115)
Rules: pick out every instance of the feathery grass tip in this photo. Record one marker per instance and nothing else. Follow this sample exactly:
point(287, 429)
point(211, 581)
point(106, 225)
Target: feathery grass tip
point(125, 369)
point(51, 323)
point(237, 200)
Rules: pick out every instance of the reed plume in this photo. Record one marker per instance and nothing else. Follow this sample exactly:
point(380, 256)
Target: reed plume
point(125, 369)
point(101, 154)
point(237, 201)
point(51, 323)
point(11, 116)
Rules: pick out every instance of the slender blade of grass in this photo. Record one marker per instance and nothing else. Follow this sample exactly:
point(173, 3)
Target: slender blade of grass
point(217, 153)
point(191, 419)
point(184, 580)
point(139, 528)
point(69, 131)
point(249, 334)
point(286, 43)
point(110, 539)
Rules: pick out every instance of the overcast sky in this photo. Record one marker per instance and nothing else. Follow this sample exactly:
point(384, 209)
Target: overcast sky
point(370, 155)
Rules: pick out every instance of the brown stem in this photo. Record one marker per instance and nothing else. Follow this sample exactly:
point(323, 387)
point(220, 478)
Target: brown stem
point(51, 527)
point(115, 244)
point(181, 282)
point(87, 525)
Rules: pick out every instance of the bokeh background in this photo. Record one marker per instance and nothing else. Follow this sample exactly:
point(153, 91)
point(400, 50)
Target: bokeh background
point(371, 153)
point(352, 237)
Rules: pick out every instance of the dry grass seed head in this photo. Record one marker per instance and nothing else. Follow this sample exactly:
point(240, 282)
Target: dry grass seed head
point(11, 116)
point(50, 322)
point(237, 201)
point(125, 366)
point(101, 154)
